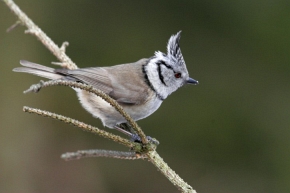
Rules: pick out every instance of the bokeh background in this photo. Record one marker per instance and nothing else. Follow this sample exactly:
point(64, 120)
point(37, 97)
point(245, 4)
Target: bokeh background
point(229, 134)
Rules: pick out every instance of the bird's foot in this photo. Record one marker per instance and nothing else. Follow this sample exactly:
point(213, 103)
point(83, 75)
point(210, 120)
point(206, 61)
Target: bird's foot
point(136, 138)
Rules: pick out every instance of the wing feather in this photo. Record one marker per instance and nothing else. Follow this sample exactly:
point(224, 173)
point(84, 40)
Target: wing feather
point(124, 83)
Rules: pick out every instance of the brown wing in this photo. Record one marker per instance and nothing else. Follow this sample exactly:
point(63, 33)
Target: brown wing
point(128, 83)
point(124, 83)
point(97, 77)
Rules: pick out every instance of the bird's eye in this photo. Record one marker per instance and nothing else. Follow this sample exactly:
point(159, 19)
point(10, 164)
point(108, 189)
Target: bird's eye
point(177, 75)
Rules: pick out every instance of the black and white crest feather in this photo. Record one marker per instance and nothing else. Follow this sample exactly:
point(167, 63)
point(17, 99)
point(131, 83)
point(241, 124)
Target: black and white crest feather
point(173, 49)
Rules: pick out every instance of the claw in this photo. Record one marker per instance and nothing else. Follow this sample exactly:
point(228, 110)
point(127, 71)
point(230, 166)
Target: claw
point(137, 139)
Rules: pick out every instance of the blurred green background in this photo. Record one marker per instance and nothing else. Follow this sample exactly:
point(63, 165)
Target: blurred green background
point(229, 134)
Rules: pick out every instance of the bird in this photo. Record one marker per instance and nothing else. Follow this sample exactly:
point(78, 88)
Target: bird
point(139, 87)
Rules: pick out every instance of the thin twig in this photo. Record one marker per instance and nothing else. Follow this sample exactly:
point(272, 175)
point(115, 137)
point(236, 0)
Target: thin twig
point(17, 23)
point(83, 126)
point(91, 89)
point(33, 29)
point(101, 153)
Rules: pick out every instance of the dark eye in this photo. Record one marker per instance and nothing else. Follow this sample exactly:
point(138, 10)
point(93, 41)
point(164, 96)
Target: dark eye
point(177, 75)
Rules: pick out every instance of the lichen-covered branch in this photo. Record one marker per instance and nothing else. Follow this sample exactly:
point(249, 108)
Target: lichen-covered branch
point(101, 153)
point(174, 178)
point(33, 29)
point(89, 88)
point(82, 125)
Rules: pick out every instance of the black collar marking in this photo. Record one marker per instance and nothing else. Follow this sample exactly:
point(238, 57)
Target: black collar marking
point(149, 83)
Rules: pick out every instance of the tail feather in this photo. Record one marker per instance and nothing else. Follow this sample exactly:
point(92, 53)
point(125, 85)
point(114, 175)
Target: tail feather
point(37, 69)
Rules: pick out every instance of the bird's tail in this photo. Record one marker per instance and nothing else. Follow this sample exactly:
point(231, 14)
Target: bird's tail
point(37, 69)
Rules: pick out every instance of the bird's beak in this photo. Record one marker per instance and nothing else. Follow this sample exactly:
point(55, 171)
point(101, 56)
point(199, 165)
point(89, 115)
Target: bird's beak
point(191, 81)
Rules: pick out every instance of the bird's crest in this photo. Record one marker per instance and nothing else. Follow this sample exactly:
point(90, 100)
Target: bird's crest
point(173, 49)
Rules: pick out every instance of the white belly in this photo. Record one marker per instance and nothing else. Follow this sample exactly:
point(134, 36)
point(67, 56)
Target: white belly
point(109, 116)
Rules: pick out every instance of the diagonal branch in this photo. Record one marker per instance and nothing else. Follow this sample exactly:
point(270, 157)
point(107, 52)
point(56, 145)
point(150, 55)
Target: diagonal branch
point(173, 177)
point(33, 29)
point(97, 92)
point(81, 125)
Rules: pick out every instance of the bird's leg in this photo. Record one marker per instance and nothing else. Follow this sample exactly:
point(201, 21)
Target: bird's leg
point(122, 130)
point(127, 127)
point(127, 130)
